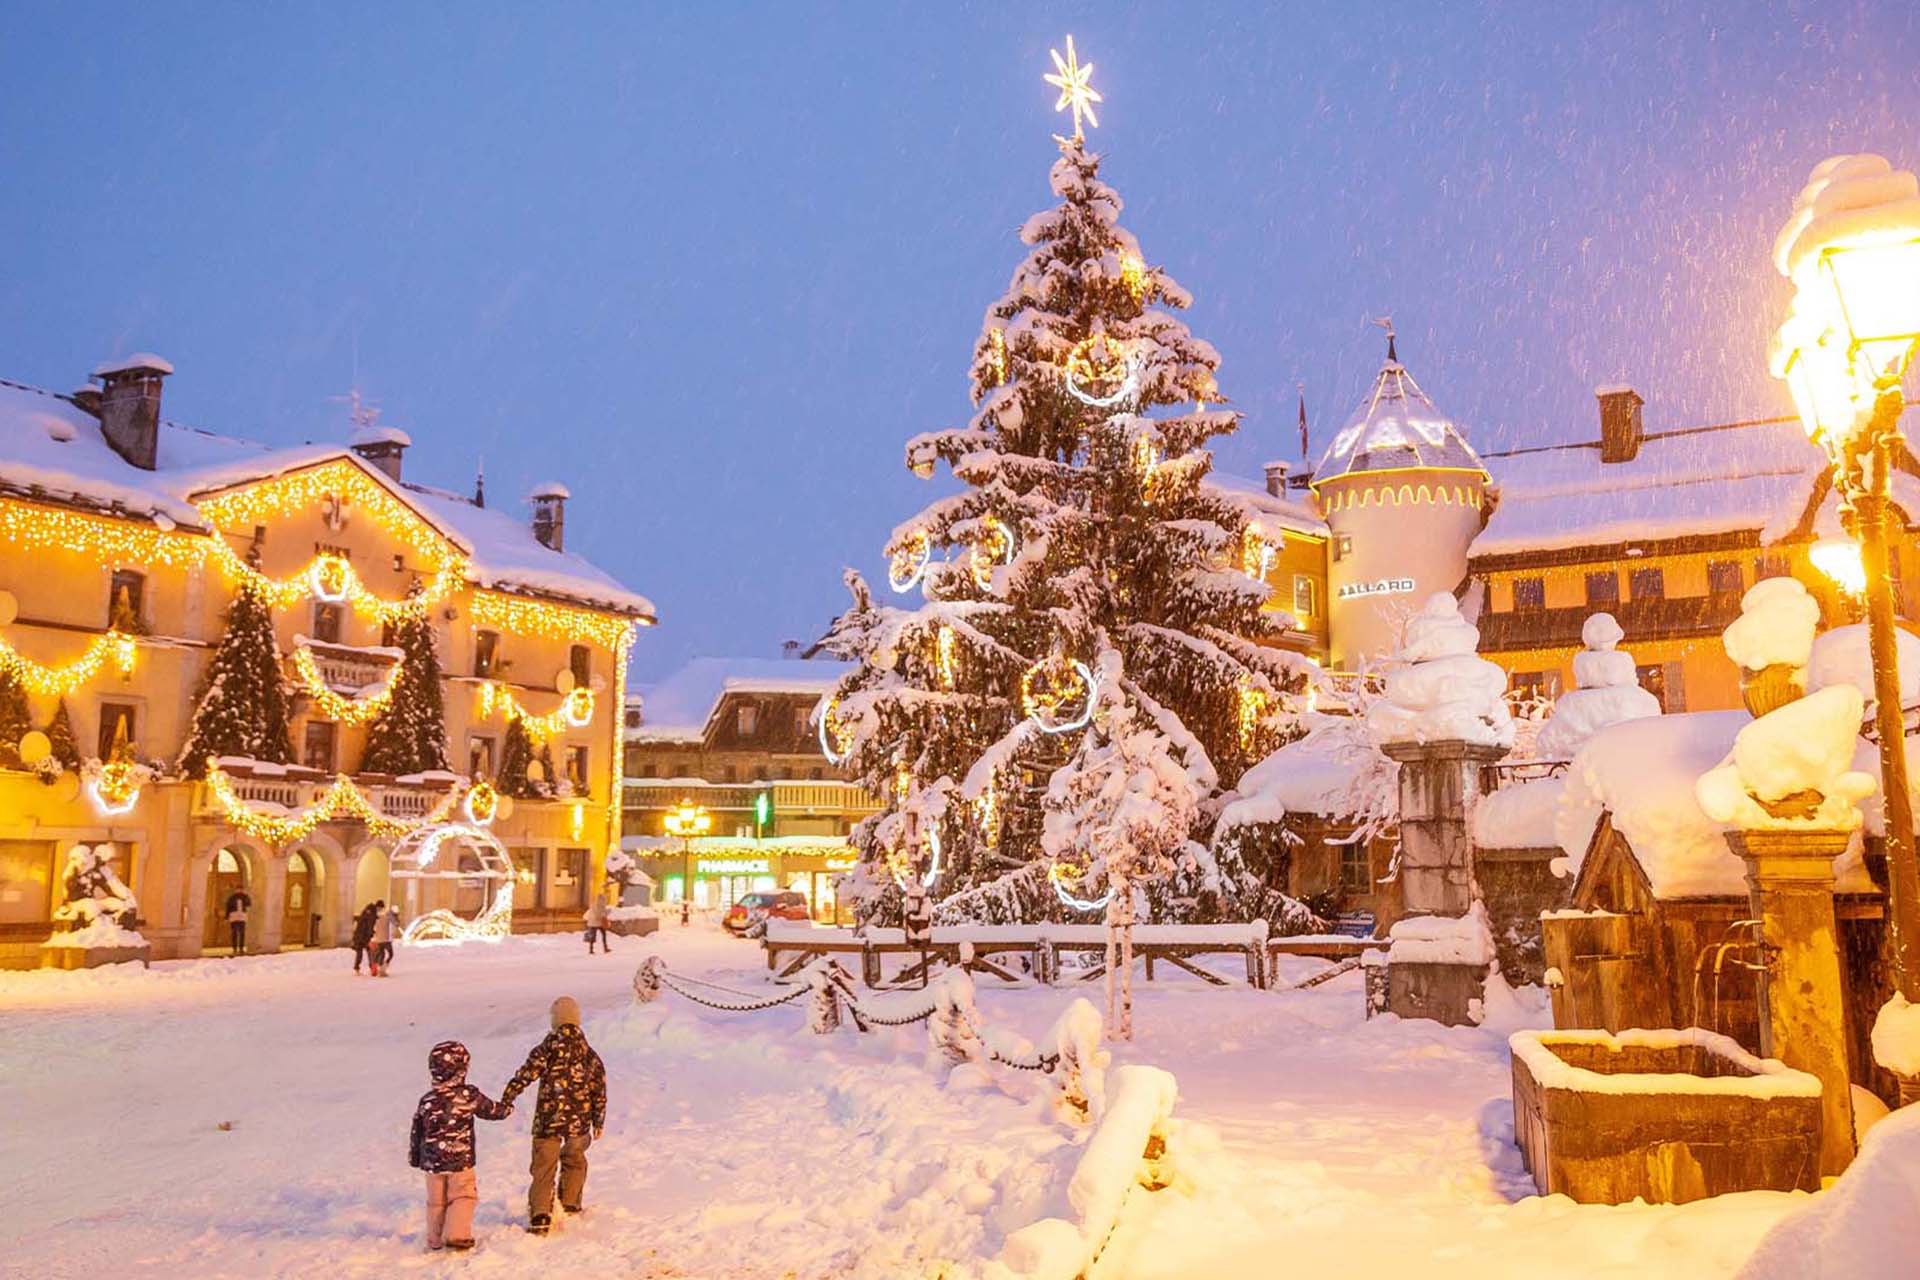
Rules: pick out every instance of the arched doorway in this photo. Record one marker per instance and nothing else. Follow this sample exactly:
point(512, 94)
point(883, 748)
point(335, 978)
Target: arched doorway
point(227, 874)
point(302, 900)
point(369, 878)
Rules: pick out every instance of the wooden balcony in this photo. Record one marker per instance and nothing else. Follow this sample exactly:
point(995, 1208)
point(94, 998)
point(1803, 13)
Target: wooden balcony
point(1680, 618)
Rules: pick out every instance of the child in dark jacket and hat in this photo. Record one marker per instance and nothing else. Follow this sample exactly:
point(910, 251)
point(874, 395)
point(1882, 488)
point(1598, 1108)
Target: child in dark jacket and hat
point(568, 1115)
point(442, 1145)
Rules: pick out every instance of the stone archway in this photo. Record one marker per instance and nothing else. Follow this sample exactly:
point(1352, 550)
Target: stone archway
point(303, 886)
point(232, 874)
point(371, 872)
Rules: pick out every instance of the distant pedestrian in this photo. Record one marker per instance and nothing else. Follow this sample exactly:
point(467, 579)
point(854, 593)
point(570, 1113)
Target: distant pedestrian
point(441, 1145)
point(597, 924)
point(363, 932)
point(238, 904)
point(568, 1115)
point(385, 923)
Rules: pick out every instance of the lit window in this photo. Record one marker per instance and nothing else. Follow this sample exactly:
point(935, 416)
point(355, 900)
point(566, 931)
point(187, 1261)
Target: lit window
point(1303, 596)
point(1342, 546)
point(479, 757)
point(486, 646)
point(317, 749)
point(119, 723)
point(328, 619)
point(580, 662)
point(1356, 875)
point(126, 600)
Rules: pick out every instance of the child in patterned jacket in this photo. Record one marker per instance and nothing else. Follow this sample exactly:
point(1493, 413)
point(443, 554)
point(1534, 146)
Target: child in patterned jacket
point(442, 1145)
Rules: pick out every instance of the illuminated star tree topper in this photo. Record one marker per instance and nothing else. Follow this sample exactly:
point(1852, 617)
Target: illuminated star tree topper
point(1076, 88)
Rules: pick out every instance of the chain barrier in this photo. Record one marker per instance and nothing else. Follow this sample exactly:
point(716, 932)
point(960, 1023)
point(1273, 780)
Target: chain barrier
point(788, 998)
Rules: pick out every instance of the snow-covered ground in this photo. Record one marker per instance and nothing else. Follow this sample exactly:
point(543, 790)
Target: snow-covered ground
point(742, 1145)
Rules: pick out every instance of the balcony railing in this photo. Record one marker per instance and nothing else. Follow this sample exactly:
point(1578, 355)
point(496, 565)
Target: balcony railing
point(297, 788)
point(348, 670)
point(1642, 620)
point(789, 798)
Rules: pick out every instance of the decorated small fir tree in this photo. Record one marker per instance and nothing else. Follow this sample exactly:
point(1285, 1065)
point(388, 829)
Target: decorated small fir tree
point(65, 748)
point(242, 707)
point(516, 753)
point(1082, 520)
point(410, 735)
point(16, 721)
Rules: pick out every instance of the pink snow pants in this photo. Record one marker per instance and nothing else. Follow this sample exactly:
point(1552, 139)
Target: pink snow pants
point(450, 1201)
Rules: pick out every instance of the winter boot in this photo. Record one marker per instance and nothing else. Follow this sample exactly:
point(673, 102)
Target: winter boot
point(540, 1224)
point(461, 1245)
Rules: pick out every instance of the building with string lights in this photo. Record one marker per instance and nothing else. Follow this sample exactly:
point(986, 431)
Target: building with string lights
point(124, 538)
point(1664, 529)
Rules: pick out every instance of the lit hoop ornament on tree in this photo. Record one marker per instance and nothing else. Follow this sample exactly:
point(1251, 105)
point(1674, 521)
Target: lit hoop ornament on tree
point(1045, 705)
point(1059, 873)
point(418, 852)
point(991, 551)
point(481, 804)
point(329, 578)
point(1115, 367)
point(836, 738)
point(897, 863)
point(909, 563)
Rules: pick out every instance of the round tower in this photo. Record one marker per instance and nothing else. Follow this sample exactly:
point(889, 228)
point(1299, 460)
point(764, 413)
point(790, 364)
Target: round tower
point(1404, 496)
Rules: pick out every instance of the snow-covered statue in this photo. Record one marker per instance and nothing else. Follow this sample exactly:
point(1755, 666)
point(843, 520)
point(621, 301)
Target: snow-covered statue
point(1771, 641)
point(1446, 691)
point(98, 901)
point(1793, 767)
point(631, 886)
point(1608, 691)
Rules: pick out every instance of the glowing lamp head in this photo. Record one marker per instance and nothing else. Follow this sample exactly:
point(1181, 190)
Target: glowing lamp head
point(1839, 559)
point(687, 820)
point(1876, 293)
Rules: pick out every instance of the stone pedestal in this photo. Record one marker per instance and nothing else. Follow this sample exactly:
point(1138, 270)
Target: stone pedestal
point(1802, 1003)
point(1438, 781)
point(92, 957)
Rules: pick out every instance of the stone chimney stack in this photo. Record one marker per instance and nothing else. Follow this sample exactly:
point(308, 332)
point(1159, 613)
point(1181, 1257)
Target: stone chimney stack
point(382, 446)
point(1620, 430)
point(129, 406)
point(1277, 478)
point(550, 515)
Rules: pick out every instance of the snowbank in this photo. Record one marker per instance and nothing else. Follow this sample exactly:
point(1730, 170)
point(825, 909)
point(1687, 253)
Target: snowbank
point(1771, 1078)
point(102, 932)
point(1442, 939)
point(1776, 625)
point(1521, 816)
point(1864, 1227)
point(1896, 1036)
point(1844, 655)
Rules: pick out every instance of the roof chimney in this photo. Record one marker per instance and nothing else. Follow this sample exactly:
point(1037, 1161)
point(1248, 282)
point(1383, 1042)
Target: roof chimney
point(1277, 478)
point(130, 406)
point(381, 446)
point(550, 515)
point(1619, 423)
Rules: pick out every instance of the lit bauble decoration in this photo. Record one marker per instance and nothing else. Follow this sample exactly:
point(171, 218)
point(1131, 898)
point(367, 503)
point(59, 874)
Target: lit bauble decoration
point(1059, 694)
point(35, 746)
point(329, 577)
point(1100, 372)
point(482, 804)
point(836, 736)
point(9, 608)
point(563, 680)
point(994, 548)
point(909, 563)
point(1060, 873)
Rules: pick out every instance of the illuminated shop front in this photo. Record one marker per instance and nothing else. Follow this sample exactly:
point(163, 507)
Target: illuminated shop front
point(725, 869)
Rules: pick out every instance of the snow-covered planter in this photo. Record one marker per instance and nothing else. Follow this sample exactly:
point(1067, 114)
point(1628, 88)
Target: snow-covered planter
point(1664, 1116)
point(1127, 1151)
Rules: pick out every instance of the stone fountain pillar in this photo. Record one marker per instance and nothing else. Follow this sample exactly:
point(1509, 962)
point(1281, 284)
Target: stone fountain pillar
point(1802, 1001)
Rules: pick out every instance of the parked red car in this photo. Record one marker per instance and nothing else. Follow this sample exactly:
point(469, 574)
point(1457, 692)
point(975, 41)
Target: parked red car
point(748, 917)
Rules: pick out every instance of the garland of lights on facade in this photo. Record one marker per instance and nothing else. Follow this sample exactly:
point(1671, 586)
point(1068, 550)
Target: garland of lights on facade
point(331, 579)
point(574, 712)
point(59, 681)
point(348, 711)
point(343, 799)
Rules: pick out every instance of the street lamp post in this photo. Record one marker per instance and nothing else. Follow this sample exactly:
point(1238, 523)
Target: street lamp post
point(1852, 249)
point(688, 821)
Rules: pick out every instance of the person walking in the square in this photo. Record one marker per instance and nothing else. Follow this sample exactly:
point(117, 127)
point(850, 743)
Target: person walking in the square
point(238, 903)
point(363, 934)
point(597, 924)
point(568, 1114)
point(441, 1145)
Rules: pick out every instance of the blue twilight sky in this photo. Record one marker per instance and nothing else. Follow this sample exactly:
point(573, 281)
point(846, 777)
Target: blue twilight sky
point(712, 264)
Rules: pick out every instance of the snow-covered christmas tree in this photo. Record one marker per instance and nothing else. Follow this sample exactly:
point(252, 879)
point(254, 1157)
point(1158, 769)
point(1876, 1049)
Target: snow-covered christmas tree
point(242, 707)
point(1081, 515)
point(16, 721)
point(410, 734)
point(63, 747)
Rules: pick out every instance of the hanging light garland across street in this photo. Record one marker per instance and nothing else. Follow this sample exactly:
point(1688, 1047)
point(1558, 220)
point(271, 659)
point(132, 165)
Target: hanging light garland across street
point(341, 800)
point(64, 679)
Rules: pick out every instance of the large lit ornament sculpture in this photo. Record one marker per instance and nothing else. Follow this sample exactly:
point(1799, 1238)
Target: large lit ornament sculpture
point(1098, 362)
point(1063, 873)
point(417, 857)
point(113, 788)
point(1059, 694)
point(909, 563)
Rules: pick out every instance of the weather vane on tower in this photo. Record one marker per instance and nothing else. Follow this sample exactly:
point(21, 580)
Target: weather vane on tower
point(1076, 88)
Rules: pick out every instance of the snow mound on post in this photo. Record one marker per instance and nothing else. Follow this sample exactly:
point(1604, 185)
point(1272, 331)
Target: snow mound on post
point(1864, 1226)
point(1448, 692)
point(1776, 625)
point(1896, 1036)
point(1609, 692)
point(1442, 939)
point(1138, 1108)
point(1804, 747)
point(1844, 655)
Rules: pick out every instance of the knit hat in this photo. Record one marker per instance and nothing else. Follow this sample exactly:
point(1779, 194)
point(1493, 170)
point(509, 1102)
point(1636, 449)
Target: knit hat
point(565, 1010)
point(447, 1062)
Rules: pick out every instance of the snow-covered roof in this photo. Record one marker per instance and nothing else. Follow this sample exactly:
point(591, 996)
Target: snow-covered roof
point(1520, 816)
point(678, 708)
point(1718, 480)
point(52, 450)
point(551, 489)
point(1396, 426)
point(1281, 512)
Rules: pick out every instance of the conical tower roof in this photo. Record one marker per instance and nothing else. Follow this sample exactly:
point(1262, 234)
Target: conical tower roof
point(1396, 428)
